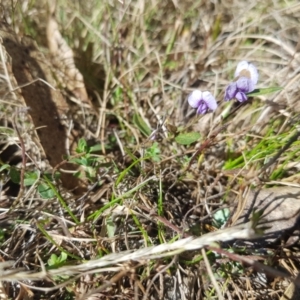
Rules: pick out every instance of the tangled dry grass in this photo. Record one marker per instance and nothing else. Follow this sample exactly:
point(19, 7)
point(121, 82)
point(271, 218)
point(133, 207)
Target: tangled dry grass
point(98, 198)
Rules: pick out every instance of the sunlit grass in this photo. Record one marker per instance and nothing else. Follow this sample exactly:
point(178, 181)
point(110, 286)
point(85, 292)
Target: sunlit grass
point(143, 187)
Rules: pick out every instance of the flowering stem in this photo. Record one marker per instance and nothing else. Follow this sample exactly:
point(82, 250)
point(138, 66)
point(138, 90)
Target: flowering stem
point(206, 144)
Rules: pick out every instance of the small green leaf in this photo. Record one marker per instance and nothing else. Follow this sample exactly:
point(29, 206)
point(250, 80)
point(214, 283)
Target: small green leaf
point(154, 152)
point(258, 92)
point(95, 148)
point(4, 167)
point(76, 161)
point(14, 175)
point(82, 146)
point(84, 161)
point(52, 260)
point(50, 176)
point(30, 178)
point(91, 172)
point(141, 125)
point(221, 217)
point(110, 227)
point(187, 138)
point(56, 261)
point(77, 174)
point(45, 191)
point(117, 96)
point(63, 257)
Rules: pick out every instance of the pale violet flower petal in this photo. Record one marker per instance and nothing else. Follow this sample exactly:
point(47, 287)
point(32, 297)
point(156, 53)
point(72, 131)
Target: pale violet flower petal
point(246, 66)
point(203, 101)
point(243, 65)
point(245, 85)
point(194, 98)
point(231, 91)
point(241, 97)
point(210, 100)
point(246, 77)
point(254, 73)
point(203, 108)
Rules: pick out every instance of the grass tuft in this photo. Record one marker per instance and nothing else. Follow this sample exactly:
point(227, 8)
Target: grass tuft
point(142, 184)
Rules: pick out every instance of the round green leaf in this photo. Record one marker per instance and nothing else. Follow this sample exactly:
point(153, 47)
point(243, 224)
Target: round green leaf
point(221, 216)
point(187, 138)
point(14, 175)
point(45, 191)
point(30, 178)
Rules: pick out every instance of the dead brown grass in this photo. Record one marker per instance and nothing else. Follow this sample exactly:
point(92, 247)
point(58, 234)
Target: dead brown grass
point(139, 60)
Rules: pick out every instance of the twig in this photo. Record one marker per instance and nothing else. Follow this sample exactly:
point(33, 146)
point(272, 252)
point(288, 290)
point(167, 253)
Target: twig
point(158, 274)
point(254, 264)
point(206, 144)
point(211, 275)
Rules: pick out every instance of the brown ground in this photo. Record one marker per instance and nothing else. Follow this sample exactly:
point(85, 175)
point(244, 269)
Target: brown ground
point(112, 73)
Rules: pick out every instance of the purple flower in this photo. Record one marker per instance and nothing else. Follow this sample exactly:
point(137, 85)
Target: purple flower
point(203, 101)
point(246, 77)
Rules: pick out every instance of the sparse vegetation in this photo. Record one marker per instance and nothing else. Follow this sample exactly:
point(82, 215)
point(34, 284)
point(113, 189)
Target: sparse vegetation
point(112, 187)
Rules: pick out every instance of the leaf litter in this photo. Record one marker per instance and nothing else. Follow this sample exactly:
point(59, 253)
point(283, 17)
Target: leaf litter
point(127, 215)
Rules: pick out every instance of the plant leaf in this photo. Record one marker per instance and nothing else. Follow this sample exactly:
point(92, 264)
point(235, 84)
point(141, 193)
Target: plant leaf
point(258, 92)
point(45, 191)
point(30, 178)
point(187, 138)
point(221, 216)
point(14, 175)
point(4, 167)
point(81, 146)
point(52, 260)
point(63, 257)
point(141, 125)
point(110, 227)
point(95, 148)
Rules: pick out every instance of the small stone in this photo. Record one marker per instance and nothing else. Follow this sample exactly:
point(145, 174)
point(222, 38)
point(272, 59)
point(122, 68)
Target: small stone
point(281, 207)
